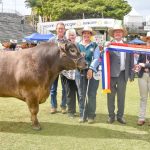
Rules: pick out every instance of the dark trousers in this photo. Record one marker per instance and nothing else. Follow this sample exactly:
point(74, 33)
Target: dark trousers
point(118, 86)
point(71, 94)
point(53, 93)
point(87, 99)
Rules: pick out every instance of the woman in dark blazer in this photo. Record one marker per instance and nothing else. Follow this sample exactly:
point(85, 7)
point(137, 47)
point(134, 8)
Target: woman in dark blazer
point(144, 81)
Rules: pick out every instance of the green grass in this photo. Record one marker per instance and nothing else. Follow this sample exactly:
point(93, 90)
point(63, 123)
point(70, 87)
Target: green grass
point(62, 133)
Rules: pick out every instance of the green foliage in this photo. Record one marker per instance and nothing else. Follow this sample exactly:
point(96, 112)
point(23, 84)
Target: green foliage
point(76, 9)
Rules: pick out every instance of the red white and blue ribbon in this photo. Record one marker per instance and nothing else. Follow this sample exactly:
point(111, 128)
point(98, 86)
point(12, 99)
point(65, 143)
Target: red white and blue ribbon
point(129, 48)
point(106, 71)
point(120, 47)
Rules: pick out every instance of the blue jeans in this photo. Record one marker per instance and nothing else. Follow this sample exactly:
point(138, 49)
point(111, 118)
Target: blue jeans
point(53, 94)
point(87, 94)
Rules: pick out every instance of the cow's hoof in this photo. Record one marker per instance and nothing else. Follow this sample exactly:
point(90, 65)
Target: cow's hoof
point(37, 128)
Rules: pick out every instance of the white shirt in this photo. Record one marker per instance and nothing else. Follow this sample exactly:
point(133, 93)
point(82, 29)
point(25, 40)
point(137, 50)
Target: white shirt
point(122, 58)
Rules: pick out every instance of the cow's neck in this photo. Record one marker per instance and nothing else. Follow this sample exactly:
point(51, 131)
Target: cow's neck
point(52, 60)
point(54, 71)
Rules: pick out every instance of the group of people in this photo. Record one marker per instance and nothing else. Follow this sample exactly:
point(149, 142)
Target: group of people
point(78, 84)
point(9, 45)
point(81, 84)
point(12, 45)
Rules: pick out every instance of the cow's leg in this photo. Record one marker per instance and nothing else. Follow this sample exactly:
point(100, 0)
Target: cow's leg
point(34, 108)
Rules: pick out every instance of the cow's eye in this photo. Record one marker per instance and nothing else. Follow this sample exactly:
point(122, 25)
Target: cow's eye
point(72, 50)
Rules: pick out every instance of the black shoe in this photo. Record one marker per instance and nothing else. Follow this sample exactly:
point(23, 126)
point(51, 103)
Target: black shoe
point(110, 120)
point(121, 120)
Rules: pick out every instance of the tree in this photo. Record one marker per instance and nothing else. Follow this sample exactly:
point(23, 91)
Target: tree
point(76, 9)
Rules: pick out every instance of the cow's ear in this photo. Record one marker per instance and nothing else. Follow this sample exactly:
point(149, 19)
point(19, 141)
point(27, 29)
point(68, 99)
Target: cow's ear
point(62, 46)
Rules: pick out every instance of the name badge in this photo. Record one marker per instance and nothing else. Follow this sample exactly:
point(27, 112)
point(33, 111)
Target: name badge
point(97, 75)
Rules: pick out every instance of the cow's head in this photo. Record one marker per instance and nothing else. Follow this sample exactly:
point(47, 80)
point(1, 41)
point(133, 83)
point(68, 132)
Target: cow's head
point(71, 56)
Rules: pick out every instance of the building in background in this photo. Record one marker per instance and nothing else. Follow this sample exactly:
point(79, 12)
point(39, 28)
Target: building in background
point(134, 23)
point(147, 26)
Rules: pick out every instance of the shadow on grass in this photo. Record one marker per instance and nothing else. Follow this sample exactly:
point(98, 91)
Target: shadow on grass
point(130, 119)
point(78, 131)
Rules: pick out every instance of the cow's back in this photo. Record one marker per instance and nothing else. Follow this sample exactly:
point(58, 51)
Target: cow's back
point(20, 71)
point(8, 63)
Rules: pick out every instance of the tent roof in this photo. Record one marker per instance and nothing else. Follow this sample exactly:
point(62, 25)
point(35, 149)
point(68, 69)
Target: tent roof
point(136, 41)
point(39, 37)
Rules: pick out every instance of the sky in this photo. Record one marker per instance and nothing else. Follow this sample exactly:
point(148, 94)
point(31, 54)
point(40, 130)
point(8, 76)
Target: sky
point(17, 5)
point(141, 6)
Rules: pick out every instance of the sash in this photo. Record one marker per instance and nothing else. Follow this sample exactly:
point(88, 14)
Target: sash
point(120, 47)
point(106, 71)
point(129, 48)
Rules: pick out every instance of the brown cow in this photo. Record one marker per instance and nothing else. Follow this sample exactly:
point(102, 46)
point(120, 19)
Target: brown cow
point(29, 74)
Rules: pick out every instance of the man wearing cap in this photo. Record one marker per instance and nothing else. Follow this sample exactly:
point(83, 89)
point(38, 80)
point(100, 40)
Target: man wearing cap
point(86, 84)
point(144, 81)
point(121, 65)
point(13, 44)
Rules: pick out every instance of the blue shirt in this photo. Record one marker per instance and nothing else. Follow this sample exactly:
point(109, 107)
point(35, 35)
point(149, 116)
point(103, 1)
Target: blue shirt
point(56, 40)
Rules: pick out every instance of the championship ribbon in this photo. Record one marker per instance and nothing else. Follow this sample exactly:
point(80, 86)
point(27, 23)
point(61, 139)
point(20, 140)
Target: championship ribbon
point(120, 47)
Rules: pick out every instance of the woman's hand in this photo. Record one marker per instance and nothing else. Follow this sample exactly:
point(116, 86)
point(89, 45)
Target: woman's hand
point(89, 74)
point(142, 64)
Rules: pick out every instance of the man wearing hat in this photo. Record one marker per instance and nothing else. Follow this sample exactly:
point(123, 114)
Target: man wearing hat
point(144, 81)
point(121, 65)
point(13, 44)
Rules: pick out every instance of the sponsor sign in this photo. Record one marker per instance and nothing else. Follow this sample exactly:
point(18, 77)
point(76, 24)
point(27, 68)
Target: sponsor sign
point(99, 22)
